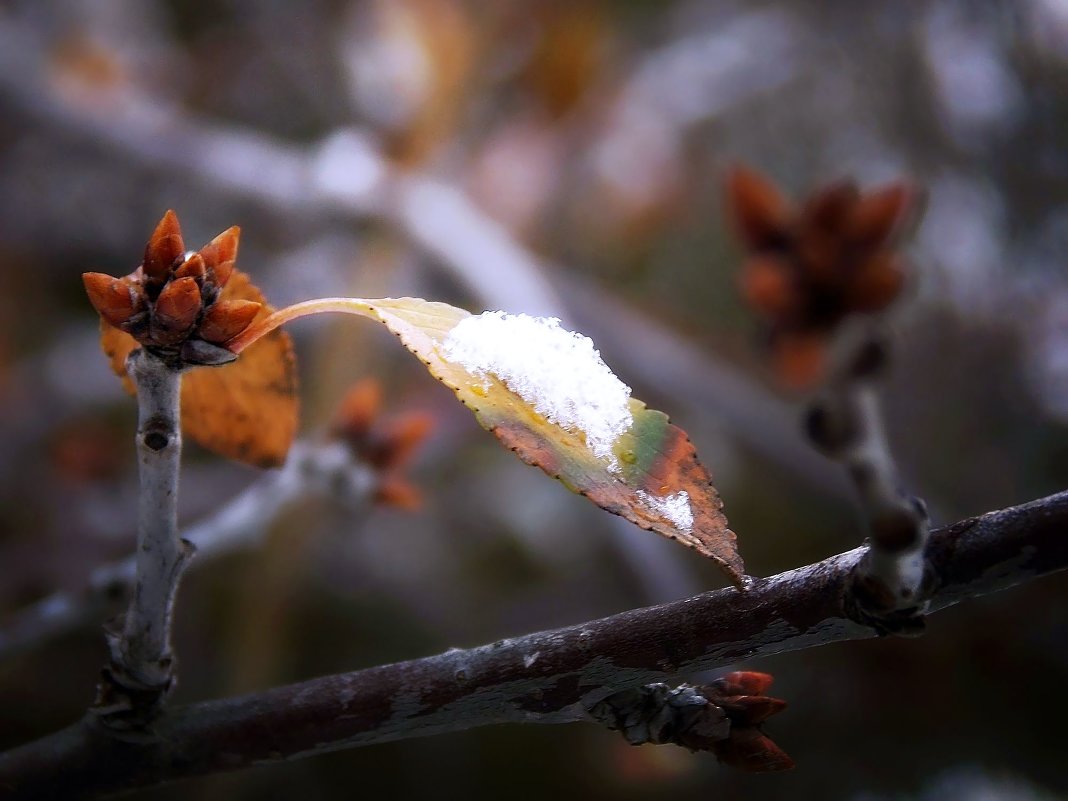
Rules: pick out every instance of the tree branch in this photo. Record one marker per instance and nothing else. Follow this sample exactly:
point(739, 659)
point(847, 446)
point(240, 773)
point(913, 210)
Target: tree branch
point(141, 667)
point(549, 677)
point(328, 469)
point(846, 423)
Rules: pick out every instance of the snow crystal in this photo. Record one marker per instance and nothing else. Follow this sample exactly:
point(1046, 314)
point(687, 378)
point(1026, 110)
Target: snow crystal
point(674, 508)
point(558, 372)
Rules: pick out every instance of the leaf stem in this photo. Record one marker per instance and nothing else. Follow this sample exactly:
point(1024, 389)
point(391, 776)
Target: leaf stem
point(303, 309)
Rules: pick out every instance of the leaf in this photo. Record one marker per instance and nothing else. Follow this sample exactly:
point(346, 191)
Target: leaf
point(655, 461)
point(245, 410)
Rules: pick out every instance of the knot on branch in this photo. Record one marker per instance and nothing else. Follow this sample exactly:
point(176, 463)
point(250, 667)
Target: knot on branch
point(889, 610)
point(723, 717)
point(131, 693)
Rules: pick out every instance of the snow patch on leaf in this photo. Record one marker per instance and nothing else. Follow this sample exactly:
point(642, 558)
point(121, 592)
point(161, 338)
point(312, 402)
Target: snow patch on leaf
point(558, 372)
point(673, 508)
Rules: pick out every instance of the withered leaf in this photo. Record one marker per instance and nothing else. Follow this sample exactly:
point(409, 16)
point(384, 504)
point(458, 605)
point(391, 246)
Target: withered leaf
point(655, 460)
point(246, 410)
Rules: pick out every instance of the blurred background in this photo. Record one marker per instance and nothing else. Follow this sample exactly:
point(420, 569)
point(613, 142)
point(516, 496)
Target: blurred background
point(561, 158)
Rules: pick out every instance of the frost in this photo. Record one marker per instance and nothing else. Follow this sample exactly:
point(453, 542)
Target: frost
point(558, 372)
point(674, 508)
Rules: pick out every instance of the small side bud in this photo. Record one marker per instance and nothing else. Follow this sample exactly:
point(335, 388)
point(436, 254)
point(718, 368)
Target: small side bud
point(399, 493)
point(197, 351)
point(761, 214)
point(225, 319)
point(830, 208)
point(220, 253)
point(744, 682)
point(358, 410)
point(751, 710)
point(176, 311)
point(769, 288)
point(876, 285)
point(116, 300)
point(880, 214)
point(752, 751)
point(165, 248)
point(193, 267)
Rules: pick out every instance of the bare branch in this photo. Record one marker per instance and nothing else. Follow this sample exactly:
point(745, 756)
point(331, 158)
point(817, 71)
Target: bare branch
point(327, 469)
point(141, 668)
point(550, 677)
point(846, 423)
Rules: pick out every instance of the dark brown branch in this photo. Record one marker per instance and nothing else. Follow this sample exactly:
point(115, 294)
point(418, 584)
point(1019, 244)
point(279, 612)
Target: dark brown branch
point(549, 677)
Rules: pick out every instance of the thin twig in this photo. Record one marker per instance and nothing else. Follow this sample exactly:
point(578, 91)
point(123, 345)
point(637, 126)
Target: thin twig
point(846, 423)
point(141, 666)
point(326, 468)
point(549, 677)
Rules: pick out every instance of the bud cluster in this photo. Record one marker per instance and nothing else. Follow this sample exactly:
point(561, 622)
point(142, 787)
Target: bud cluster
point(385, 443)
point(171, 303)
point(808, 268)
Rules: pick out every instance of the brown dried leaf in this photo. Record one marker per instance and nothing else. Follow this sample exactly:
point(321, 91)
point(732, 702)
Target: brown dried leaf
point(246, 410)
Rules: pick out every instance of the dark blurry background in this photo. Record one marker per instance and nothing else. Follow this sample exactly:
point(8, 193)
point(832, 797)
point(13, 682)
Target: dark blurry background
point(557, 158)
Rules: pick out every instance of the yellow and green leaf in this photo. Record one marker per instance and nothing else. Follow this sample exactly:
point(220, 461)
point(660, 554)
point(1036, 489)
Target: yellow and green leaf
point(654, 460)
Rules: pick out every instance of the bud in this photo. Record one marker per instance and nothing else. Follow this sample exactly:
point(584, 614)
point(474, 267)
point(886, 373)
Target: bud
point(397, 440)
point(358, 410)
point(829, 209)
point(399, 493)
point(750, 710)
point(193, 267)
point(769, 288)
point(876, 284)
point(762, 216)
point(748, 749)
point(880, 214)
point(225, 319)
point(744, 682)
point(116, 300)
point(164, 249)
point(176, 311)
point(220, 253)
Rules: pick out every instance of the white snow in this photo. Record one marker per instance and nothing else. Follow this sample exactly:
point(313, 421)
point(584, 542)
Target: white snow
point(558, 372)
point(673, 508)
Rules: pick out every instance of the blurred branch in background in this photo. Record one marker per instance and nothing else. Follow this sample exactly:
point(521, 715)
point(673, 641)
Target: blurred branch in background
point(324, 469)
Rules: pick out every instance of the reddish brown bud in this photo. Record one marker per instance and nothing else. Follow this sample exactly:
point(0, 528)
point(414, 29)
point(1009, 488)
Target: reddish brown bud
point(749, 710)
point(880, 214)
point(358, 410)
point(761, 215)
point(176, 311)
point(769, 288)
point(225, 319)
point(750, 750)
point(164, 248)
point(114, 299)
point(220, 253)
point(800, 357)
point(193, 267)
point(744, 682)
point(830, 208)
point(400, 493)
point(876, 285)
point(399, 438)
